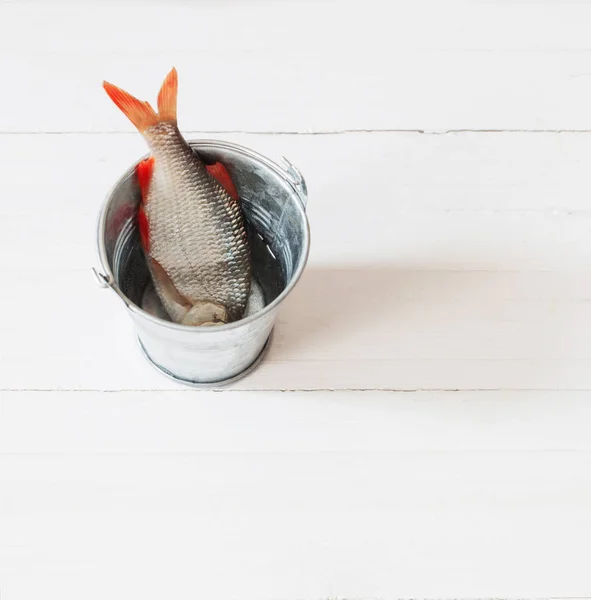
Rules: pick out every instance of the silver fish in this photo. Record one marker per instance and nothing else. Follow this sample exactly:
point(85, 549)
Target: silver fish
point(191, 225)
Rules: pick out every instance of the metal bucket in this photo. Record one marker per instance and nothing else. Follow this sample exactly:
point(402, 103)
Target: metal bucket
point(273, 200)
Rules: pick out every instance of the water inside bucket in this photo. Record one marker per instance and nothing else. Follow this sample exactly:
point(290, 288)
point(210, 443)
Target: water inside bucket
point(135, 282)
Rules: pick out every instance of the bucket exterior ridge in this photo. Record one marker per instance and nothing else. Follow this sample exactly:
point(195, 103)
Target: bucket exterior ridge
point(273, 201)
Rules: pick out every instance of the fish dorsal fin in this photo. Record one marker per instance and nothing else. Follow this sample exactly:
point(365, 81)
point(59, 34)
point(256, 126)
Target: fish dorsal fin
point(167, 97)
point(221, 175)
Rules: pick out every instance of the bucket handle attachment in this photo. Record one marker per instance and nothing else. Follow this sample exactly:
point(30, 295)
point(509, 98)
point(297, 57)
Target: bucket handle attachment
point(106, 282)
point(297, 180)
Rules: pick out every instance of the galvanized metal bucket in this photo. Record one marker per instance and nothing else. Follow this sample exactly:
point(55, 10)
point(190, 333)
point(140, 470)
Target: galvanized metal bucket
point(273, 200)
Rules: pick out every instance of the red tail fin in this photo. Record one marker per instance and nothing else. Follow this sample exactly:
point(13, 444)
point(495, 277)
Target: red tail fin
point(167, 97)
point(141, 114)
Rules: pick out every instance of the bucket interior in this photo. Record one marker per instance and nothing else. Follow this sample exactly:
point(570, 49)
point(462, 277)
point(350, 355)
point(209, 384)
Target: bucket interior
point(276, 224)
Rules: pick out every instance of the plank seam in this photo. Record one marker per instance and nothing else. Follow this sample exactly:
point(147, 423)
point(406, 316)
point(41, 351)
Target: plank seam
point(312, 133)
point(286, 390)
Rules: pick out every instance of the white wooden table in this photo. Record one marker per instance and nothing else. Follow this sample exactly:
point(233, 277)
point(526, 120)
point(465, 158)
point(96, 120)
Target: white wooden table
point(434, 440)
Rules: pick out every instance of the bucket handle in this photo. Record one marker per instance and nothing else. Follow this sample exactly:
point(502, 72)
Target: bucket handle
point(106, 282)
point(297, 180)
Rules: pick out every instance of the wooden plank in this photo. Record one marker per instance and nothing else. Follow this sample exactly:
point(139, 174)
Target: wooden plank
point(340, 329)
point(294, 496)
point(246, 527)
point(257, 24)
point(293, 66)
point(453, 262)
point(185, 422)
point(463, 201)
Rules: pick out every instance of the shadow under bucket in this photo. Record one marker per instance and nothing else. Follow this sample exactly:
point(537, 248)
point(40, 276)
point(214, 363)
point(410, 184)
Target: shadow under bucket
point(273, 201)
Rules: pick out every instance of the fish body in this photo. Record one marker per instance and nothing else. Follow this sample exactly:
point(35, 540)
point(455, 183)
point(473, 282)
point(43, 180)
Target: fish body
point(191, 224)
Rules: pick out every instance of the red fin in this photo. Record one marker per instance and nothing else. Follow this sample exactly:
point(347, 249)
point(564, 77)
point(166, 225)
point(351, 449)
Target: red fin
point(220, 173)
point(144, 172)
point(167, 97)
point(141, 114)
point(144, 227)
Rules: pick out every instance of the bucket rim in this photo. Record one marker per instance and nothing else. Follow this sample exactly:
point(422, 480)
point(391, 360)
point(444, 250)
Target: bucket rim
point(210, 143)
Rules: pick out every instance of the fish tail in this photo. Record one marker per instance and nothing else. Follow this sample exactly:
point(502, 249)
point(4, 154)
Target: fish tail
point(167, 97)
point(140, 113)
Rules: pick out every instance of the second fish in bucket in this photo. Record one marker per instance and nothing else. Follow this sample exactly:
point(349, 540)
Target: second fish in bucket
point(202, 241)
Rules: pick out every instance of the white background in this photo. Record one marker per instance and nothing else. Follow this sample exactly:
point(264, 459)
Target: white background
point(421, 426)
